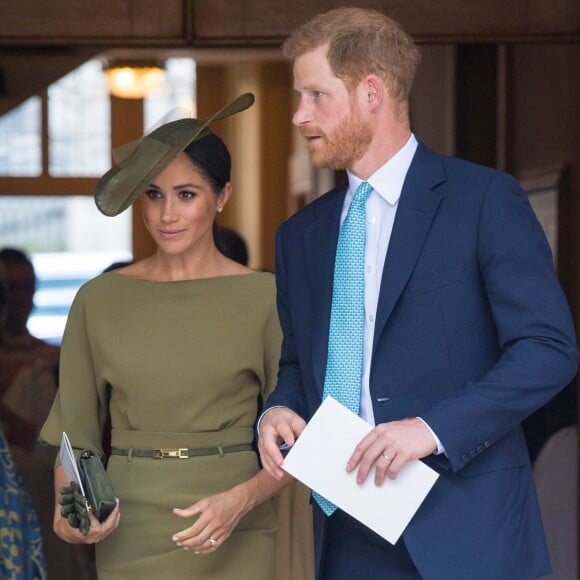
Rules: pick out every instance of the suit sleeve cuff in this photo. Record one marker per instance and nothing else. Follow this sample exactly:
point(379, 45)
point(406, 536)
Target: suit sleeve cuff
point(262, 416)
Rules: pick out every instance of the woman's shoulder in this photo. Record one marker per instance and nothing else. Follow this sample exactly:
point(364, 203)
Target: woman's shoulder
point(103, 284)
point(264, 277)
point(265, 281)
point(256, 288)
point(102, 280)
point(251, 282)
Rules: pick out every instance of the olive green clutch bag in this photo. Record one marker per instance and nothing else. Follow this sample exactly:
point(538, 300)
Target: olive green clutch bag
point(97, 485)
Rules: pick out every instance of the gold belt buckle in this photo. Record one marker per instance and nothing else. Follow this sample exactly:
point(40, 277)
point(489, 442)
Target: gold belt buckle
point(180, 453)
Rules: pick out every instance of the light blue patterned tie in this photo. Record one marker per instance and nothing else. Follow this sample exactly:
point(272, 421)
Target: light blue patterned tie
point(344, 365)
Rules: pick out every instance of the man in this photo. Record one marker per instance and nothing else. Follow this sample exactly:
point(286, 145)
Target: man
point(464, 329)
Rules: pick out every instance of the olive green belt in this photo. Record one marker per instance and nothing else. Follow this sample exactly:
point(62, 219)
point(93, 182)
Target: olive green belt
point(181, 452)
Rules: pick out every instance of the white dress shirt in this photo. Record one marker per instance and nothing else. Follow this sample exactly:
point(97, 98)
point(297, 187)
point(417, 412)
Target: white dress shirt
point(381, 208)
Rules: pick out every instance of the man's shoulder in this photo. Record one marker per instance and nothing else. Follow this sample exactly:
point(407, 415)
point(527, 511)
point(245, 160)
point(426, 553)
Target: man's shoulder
point(453, 165)
point(319, 206)
point(454, 175)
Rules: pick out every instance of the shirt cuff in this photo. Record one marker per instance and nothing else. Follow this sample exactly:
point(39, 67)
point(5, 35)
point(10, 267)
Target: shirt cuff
point(440, 448)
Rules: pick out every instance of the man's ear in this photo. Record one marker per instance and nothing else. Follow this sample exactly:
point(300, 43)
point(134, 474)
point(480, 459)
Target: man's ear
point(374, 90)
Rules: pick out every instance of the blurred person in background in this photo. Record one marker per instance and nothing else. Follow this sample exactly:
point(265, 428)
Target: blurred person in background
point(21, 556)
point(28, 385)
point(28, 365)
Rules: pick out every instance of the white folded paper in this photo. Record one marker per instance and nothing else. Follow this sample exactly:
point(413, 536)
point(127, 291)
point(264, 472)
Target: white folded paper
point(319, 458)
point(68, 461)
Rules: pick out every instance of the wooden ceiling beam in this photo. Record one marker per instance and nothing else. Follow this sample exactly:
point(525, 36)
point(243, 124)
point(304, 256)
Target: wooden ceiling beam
point(103, 23)
point(230, 21)
point(41, 41)
point(226, 23)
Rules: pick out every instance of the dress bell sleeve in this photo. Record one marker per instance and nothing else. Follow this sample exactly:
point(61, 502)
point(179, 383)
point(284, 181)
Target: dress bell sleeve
point(79, 407)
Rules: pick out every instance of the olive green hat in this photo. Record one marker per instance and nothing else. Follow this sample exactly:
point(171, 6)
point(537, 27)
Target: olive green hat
point(139, 162)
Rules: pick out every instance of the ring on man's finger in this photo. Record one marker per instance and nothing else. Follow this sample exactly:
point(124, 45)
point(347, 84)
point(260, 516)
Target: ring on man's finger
point(213, 542)
point(389, 459)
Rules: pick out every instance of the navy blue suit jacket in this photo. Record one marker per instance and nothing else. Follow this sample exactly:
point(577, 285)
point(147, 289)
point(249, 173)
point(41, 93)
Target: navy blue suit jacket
point(473, 333)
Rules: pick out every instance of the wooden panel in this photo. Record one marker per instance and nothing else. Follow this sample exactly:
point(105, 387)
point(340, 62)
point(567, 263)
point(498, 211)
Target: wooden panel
point(49, 64)
point(276, 141)
point(47, 185)
point(266, 21)
point(433, 99)
point(476, 103)
point(61, 21)
point(553, 15)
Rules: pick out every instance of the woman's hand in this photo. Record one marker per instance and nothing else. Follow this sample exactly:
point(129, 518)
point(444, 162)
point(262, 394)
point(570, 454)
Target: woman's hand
point(93, 531)
point(96, 532)
point(218, 516)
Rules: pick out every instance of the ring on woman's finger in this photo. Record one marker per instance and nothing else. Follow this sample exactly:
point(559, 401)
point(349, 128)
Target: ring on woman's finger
point(389, 459)
point(213, 542)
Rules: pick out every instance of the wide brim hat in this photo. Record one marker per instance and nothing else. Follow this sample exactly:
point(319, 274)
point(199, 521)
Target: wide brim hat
point(138, 163)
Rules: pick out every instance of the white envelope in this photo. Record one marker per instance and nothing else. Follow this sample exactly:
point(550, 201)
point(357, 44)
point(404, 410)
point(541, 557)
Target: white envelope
point(319, 458)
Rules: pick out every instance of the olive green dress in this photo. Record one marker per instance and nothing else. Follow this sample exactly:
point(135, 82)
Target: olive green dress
point(178, 364)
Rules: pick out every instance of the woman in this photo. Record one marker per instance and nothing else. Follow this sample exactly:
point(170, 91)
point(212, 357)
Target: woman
point(180, 348)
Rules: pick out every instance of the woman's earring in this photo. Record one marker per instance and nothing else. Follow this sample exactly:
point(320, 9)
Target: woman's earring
point(220, 209)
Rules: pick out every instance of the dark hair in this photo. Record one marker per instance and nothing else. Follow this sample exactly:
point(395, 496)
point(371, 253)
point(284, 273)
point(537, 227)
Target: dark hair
point(2, 291)
point(117, 265)
point(18, 257)
point(14, 256)
point(210, 155)
point(231, 244)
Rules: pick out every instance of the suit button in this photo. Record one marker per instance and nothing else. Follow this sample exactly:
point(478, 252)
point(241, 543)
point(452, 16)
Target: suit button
point(486, 444)
point(480, 448)
point(465, 458)
point(472, 453)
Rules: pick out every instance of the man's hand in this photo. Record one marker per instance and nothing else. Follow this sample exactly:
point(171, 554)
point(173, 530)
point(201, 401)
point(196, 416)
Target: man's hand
point(388, 447)
point(278, 425)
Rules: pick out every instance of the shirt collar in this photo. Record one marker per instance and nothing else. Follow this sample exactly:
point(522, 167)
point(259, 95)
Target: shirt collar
point(388, 179)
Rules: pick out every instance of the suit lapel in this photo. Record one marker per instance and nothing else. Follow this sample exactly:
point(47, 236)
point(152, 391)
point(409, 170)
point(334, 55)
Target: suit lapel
point(320, 243)
point(417, 208)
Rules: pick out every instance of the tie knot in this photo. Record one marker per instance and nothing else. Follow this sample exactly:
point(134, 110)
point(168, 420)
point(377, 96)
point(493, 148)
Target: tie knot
point(362, 192)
